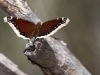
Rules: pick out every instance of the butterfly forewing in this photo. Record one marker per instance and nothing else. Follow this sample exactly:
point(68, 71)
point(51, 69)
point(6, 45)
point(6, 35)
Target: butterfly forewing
point(24, 27)
point(49, 26)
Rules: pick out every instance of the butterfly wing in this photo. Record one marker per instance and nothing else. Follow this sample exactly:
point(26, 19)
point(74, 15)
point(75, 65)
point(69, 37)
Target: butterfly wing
point(50, 27)
point(22, 28)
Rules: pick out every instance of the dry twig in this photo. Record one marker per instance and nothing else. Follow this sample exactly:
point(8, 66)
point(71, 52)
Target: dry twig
point(7, 67)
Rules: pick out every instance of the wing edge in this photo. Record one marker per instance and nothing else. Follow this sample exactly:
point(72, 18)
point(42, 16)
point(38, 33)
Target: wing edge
point(14, 28)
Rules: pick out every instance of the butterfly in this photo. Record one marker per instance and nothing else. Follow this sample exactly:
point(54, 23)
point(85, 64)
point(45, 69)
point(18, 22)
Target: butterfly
point(28, 30)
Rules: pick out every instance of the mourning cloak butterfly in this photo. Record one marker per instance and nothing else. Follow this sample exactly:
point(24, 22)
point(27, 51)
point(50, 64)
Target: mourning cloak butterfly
point(27, 30)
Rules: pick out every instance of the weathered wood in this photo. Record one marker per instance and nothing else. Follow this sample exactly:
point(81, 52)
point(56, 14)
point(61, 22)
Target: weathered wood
point(50, 54)
point(7, 67)
point(54, 58)
point(19, 9)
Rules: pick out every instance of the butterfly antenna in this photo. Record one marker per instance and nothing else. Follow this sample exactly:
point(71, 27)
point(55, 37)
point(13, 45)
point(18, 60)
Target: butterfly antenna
point(45, 13)
point(35, 10)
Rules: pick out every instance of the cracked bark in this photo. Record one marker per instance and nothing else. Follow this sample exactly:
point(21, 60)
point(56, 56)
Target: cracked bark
point(50, 54)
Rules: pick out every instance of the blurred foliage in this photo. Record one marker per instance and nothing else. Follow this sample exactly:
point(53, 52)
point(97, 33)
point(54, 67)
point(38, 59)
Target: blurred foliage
point(82, 34)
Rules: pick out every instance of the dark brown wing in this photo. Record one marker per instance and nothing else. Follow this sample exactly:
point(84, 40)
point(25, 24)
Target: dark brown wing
point(25, 28)
point(50, 27)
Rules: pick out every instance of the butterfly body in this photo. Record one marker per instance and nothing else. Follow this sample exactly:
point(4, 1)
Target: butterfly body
point(28, 30)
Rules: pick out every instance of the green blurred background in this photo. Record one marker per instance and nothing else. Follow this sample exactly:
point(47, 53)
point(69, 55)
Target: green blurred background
point(82, 34)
